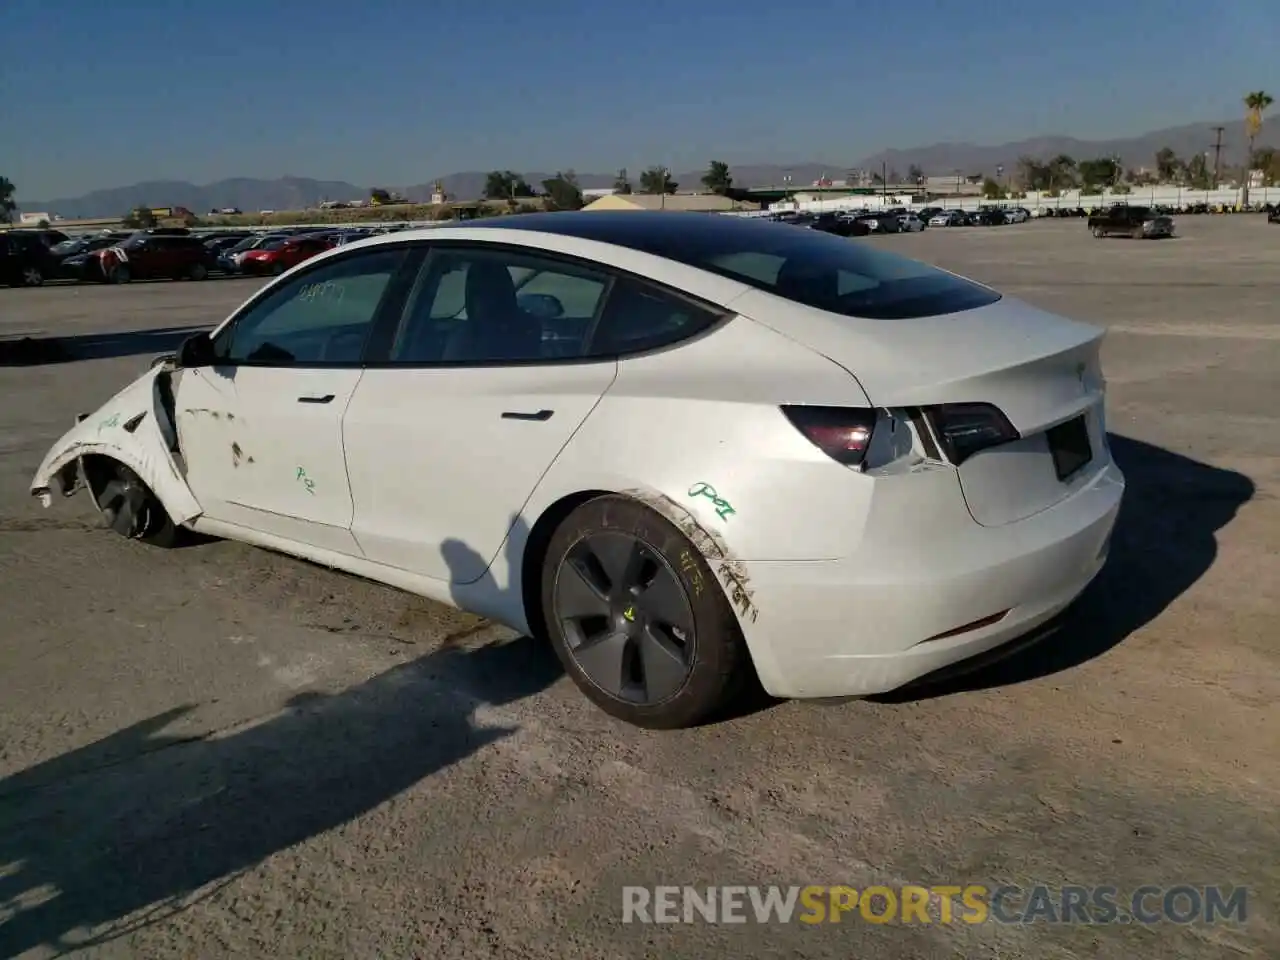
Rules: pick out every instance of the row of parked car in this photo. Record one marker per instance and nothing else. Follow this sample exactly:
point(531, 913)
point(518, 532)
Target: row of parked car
point(31, 257)
point(858, 223)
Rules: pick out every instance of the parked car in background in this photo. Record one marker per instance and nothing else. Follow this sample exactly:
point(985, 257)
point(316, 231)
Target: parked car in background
point(48, 236)
point(839, 225)
point(910, 222)
point(1130, 221)
point(1274, 216)
point(153, 256)
point(1017, 214)
point(229, 259)
point(70, 256)
point(881, 222)
point(25, 259)
point(949, 218)
point(987, 217)
point(274, 259)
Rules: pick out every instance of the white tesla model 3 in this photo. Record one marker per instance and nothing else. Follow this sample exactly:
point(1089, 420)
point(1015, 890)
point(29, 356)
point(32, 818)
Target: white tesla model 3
point(682, 446)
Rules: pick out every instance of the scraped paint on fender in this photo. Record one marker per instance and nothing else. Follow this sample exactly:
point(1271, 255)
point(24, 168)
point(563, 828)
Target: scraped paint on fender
point(135, 428)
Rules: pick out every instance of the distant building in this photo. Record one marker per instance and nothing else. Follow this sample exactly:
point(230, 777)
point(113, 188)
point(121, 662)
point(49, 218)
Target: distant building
point(700, 202)
point(34, 218)
point(437, 193)
point(593, 193)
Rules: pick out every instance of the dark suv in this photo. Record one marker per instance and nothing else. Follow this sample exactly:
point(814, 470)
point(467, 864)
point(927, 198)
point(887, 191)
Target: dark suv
point(153, 256)
point(25, 260)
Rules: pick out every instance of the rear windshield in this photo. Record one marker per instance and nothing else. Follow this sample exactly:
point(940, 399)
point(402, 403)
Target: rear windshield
point(828, 272)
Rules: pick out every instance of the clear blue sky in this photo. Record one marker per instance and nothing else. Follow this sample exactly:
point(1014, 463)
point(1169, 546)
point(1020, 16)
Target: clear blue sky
point(102, 94)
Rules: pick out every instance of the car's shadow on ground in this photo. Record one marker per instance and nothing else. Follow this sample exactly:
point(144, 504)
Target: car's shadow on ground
point(129, 830)
point(38, 351)
point(1163, 543)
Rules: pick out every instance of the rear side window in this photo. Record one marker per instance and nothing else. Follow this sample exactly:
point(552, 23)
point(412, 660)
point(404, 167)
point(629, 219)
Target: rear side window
point(637, 317)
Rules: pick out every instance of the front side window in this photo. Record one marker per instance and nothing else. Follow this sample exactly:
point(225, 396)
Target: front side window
point(473, 306)
point(321, 317)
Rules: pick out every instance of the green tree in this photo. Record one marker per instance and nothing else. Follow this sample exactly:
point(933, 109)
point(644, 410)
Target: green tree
point(717, 179)
point(1167, 165)
point(914, 173)
point(7, 204)
point(622, 183)
point(1255, 105)
point(992, 190)
point(506, 185)
point(657, 180)
point(1267, 159)
point(43, 224)
point(1198, 175)
point(1098, 174)
point(1062, 172)
point(562, 192)
point(1032, 174)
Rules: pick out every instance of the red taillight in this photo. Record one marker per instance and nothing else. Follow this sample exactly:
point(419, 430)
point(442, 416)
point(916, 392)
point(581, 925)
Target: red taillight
point(842, 433)
point(964, 429)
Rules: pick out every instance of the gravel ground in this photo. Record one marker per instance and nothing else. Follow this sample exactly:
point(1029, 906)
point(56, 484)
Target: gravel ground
point(220, 752)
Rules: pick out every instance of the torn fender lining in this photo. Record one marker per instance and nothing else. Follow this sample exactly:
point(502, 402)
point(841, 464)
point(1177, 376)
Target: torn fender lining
point(144, 449)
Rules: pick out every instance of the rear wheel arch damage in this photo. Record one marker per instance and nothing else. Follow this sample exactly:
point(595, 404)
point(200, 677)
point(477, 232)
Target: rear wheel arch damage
point(724, 669)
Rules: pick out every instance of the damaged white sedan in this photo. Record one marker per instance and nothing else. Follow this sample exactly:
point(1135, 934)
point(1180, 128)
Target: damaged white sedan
point(683, 447)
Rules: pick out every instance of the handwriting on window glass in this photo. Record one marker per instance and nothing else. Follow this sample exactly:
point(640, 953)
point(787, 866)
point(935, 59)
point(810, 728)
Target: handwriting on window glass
point(325, 290)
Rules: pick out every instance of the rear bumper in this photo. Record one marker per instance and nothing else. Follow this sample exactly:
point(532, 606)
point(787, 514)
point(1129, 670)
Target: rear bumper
point(861, 626)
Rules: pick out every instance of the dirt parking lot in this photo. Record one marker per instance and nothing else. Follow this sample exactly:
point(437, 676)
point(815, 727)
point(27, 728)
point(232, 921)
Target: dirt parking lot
point(220, 752)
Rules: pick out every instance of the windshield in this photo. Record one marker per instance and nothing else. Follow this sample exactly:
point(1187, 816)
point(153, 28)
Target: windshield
point(273, 244)
point(67, 246)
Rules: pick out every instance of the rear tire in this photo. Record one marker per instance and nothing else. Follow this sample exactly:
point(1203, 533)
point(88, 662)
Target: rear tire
point(1136, 233)
point(132, 510)
point(32, 277)
point(638, 619)
point(120, 274)
point(1099, 232)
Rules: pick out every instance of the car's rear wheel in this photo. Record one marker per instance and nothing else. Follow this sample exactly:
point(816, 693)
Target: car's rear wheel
point(120, 274)
point(1136, 233)
point(132, 510)
point(32, 276)
point(1098, 232)
point(638, 619)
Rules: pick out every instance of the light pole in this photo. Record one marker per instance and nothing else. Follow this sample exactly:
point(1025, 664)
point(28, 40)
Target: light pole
point(666, 178)
point(786, 185)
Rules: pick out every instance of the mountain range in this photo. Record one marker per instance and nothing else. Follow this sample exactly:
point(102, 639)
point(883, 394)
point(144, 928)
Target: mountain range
point(940, 159)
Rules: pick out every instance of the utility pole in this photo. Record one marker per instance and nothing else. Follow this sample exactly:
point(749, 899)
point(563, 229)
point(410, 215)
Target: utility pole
point(1217, 156)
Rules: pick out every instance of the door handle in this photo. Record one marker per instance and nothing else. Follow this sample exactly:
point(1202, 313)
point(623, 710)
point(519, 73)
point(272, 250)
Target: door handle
point(517, 415)
point(314, 399)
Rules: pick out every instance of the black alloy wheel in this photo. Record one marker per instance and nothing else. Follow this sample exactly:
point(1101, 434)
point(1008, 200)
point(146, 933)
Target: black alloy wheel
point(637, 617)
point(627, 621)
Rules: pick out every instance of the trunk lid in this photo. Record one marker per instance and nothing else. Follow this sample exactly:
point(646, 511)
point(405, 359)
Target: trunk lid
point(1039, 369)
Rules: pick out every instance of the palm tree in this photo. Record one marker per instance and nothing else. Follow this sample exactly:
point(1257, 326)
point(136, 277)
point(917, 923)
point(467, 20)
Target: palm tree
point(1255, 104)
